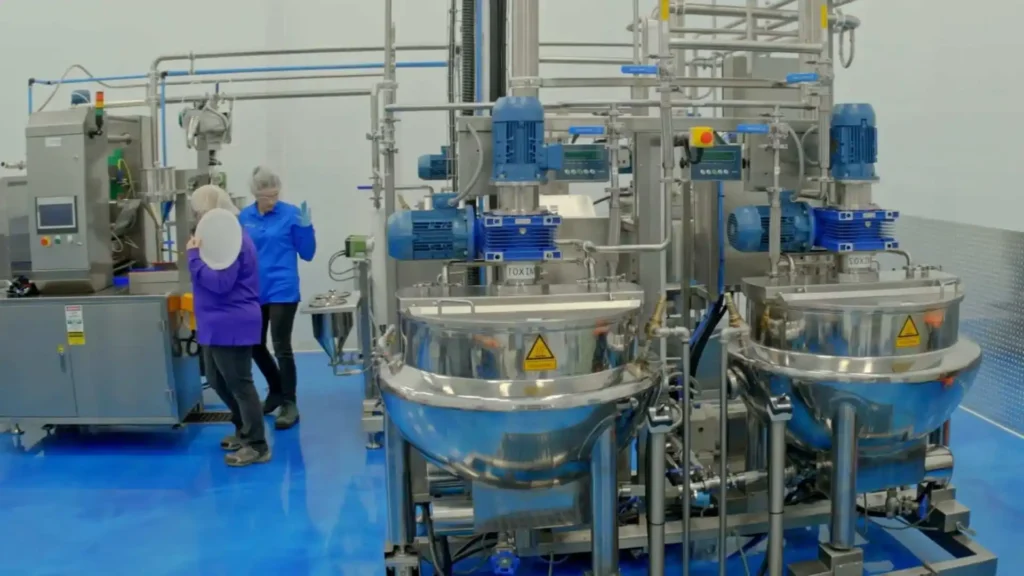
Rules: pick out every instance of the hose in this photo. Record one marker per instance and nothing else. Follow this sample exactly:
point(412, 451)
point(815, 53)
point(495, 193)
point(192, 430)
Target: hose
point(800, 153)
point(464, 193)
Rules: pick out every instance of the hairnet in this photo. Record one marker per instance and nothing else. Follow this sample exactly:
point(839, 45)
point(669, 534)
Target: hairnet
point(264, 182)
point(208, 197)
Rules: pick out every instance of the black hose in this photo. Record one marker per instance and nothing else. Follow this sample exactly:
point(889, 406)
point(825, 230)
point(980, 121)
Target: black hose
point(717, 312)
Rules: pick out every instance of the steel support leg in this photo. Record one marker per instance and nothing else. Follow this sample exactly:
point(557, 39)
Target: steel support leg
point(604, 526)
point(660, 422)
point(780, 410)
point(398, 542)
point(844, 477)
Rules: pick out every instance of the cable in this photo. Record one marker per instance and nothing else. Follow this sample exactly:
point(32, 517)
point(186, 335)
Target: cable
point(64, 76)
point(800, 153)
point(464, 193)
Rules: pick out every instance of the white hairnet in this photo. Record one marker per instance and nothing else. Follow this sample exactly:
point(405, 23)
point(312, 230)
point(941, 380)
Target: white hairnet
point(208, 197)
point(264, 182)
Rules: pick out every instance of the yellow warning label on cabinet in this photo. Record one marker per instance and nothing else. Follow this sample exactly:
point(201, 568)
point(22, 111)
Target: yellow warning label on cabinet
point(909, 336)
point(540, 358)
point(74, 324)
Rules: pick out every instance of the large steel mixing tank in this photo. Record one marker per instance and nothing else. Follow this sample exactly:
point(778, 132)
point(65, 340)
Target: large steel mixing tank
point(889, 348)
point(512, 386)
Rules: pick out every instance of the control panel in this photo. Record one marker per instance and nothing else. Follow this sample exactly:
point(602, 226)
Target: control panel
point(583, 163)
point(717, 163)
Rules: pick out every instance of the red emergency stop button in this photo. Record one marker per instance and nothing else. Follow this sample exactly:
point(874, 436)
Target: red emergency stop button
point(702, 137)
point(44, 241)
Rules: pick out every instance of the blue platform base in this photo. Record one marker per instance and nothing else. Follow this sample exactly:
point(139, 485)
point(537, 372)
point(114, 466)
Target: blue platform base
point(163, 503)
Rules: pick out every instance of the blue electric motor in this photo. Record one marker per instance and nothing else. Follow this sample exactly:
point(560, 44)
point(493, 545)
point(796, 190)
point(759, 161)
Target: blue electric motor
point(854, 142)
point(748, 227)
point(444, 233)
point(520, 156)
point(434, 166)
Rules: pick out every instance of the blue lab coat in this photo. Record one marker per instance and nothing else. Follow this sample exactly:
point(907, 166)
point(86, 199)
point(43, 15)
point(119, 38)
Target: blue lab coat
point(280, 240)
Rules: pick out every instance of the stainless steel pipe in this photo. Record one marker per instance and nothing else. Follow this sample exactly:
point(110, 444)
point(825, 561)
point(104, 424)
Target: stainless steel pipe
point(844, 477)
point(749, 46)
point(604, 525)
point(401, 527)
point(656, 502)
point(780, 410)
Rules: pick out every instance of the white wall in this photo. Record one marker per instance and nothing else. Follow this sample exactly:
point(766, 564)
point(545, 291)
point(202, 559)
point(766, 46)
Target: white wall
point(945, 79)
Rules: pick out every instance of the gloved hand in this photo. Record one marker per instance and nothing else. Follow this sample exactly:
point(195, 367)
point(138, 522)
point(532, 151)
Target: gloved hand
point(305, 216)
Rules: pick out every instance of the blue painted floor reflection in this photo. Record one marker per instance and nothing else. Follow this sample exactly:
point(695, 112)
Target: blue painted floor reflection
point(155, 503)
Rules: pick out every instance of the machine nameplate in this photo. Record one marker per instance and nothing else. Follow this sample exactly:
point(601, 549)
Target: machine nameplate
point(520, 272)
point(909, 336)
point(53, 142)
point(540, 358)
point(74, 324)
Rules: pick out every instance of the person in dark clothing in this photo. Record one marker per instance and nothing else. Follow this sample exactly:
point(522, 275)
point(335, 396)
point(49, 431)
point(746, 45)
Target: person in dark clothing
point(283, 233)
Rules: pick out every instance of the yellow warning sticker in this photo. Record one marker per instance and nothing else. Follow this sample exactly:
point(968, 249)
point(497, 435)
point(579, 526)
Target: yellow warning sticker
point(909, 336)
point(540, 358)
point(74, 324)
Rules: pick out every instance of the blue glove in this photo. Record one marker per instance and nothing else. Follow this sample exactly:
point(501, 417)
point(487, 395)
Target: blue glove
point(305, 217)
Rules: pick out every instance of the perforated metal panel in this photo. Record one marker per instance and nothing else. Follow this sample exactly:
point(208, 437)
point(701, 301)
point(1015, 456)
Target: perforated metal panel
point(991, 264)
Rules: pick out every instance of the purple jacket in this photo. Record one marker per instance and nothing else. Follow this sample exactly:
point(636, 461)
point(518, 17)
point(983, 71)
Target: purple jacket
point(227, 302)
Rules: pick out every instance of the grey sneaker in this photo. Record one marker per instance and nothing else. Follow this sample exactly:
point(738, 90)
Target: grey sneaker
point(247, 455)
point(231, 442)
point(287, 417)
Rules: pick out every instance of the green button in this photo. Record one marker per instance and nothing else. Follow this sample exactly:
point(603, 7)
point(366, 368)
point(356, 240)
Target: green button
point(56, 240)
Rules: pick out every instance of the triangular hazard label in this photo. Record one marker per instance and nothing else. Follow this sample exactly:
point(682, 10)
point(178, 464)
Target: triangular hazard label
point(540, 350)
point(909, 329)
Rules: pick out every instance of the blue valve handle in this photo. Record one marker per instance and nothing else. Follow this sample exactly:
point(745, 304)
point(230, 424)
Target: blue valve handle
point(802, 78)
point(753, 129)
point(364, 187)
point(635, 69)
point(586, 130)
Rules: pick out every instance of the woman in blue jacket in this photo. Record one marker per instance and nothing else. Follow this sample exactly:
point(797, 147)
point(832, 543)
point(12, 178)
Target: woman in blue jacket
point(283, 233)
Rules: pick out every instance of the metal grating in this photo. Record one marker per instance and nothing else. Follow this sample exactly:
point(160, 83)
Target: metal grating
point(208, 417)
point(991, 264)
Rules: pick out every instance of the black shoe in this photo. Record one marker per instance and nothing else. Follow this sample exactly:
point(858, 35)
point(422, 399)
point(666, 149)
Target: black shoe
point(273, 402)
point(287, 417)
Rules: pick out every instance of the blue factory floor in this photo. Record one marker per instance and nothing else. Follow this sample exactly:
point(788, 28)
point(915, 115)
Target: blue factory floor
point(163, 502)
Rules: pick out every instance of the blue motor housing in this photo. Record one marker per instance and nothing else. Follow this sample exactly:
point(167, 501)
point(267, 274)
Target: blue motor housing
point(518, 131)
point(504, 238)
point(748, 227)
point(434, 166)
point(444, 233)
point(854, 142)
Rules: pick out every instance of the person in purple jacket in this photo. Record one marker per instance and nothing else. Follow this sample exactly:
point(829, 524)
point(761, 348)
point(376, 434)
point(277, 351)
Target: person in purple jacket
point(228, 325)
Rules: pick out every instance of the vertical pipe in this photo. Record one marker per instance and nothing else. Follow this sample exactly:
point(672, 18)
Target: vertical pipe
point(780, 411)
point(163, 123)
point(453, 97)
point(375, 137)
point(31, 106)
point(723, 465)
point(366, 329)
point(498, 70)
point(844, 477)
point(685, 458)
point(604, 525)
point(614, 190)
point(656, 503)
point(390, 150)
point(401, 524)
point(775, 209)
point(525, 17)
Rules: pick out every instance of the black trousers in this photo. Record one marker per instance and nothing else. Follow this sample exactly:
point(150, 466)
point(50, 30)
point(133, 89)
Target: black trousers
point(278, 368)
point(229, 374)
